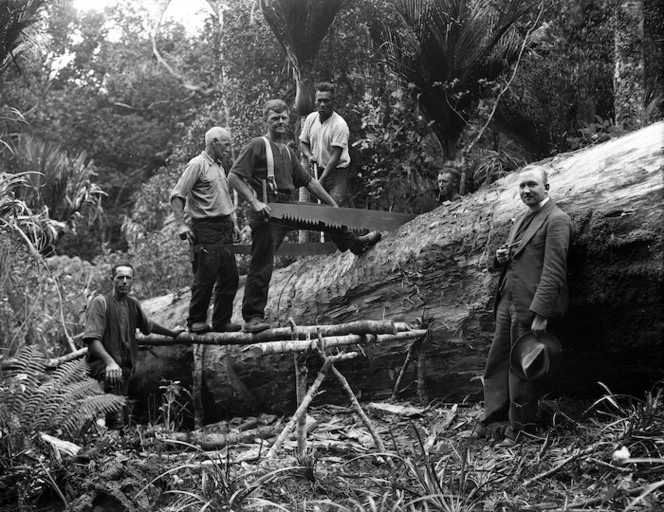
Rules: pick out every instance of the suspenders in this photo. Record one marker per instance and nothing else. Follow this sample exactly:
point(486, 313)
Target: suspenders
point(270, 182)
point(270, 170)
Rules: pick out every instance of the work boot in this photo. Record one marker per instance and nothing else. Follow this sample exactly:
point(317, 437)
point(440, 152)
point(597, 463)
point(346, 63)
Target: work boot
point(199, 328)
point(365, 242)
point(256, 325)
point(479, 431)
point(228, 327)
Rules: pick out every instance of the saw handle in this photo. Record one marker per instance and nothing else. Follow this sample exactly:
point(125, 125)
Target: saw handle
point(315, 165)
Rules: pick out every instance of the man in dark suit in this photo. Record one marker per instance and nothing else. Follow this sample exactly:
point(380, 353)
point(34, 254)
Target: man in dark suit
point(532, 289)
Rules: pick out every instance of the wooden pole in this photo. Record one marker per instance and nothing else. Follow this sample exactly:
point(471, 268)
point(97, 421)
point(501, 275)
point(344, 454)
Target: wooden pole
point(422, 394)
point(363, 331)
point(359, 411)
point(301, 391)
point(311, 393)
point(57, 361)
point(279, 347)
point(197, 385)
point(409, 357)
point(277, 334)
point(300, 360)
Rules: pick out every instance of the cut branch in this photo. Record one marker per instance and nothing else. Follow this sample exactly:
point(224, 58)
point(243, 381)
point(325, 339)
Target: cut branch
point(311, 393)
point(278, 347)
point(281, 333)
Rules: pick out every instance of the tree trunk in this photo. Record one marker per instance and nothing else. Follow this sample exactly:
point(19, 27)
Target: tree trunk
point(629, 75)
point(653, 52)
point(435, 271)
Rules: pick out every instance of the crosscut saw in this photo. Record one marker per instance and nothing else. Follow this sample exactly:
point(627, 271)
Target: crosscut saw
point(315, 217)
point(352, 218)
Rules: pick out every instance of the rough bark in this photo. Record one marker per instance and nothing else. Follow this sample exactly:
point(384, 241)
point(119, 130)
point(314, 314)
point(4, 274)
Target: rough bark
point(435, 270)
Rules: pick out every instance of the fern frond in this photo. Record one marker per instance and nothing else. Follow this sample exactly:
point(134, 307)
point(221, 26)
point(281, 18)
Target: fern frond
point(27, 372)
point(67, 373)
point(62, 401)
point(75, 394)
point(91, 407)
point(30, 364)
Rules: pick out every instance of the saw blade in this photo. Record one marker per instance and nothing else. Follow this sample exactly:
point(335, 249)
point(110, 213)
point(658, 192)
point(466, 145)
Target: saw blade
point(353, 218)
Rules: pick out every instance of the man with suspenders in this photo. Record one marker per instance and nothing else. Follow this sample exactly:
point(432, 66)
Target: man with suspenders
point(269, 171)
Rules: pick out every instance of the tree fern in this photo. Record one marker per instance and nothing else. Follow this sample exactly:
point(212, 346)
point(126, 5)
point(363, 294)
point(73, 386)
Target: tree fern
point(33, 400)
point(300, 27)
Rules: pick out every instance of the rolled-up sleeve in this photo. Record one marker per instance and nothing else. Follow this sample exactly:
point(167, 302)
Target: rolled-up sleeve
point(187, 181)
point(145, 325)
point(340, 135)
point(95, 320)
point(300, 177)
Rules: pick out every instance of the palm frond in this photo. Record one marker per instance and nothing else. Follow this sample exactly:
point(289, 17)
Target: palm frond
point(16, 17)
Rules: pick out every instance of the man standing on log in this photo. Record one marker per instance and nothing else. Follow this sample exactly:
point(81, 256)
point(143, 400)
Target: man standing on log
point(202, 205)
point(111, 321)
point(324, 143)
point(260, 183)
point(532, 289)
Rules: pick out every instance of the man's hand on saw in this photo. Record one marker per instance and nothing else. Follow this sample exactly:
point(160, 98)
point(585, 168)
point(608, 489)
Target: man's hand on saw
point(261, 207)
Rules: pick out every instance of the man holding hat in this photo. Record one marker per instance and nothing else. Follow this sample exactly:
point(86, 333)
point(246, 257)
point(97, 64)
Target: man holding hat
point(532, 289)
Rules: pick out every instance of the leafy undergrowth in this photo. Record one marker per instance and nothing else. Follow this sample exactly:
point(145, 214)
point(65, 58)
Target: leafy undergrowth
point(606, 456)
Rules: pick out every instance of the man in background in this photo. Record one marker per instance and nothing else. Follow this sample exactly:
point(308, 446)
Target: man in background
point(324, 143)
point(448, 185)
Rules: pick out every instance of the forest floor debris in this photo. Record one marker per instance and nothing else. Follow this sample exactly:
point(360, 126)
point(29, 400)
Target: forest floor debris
point(606, 455)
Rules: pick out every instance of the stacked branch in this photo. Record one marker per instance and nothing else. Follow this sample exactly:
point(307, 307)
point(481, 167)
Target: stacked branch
point(359, 328)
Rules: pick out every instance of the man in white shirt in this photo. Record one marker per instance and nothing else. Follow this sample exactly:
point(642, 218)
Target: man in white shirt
point(324, 143)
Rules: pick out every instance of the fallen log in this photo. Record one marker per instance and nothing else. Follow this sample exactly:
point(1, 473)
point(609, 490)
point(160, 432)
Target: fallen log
point(213, 441)
point(437, 269)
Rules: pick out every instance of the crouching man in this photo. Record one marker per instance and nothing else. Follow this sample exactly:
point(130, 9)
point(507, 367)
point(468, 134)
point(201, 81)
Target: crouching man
point(111, 321)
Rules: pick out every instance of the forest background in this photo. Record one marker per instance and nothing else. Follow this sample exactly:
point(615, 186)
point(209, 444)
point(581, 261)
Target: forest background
point(100, 110)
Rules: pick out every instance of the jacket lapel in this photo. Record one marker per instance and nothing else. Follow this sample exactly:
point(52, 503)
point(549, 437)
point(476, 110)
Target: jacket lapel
point(515, 229)
point(534, 227)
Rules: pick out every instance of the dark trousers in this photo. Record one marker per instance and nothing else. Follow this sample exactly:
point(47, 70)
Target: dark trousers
point(213, 270)
point(506, 396)
point(336, 184)
point(266, 238)
point(117, 419)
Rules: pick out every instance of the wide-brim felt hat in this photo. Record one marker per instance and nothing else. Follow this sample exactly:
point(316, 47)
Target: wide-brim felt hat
point(534, 358)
